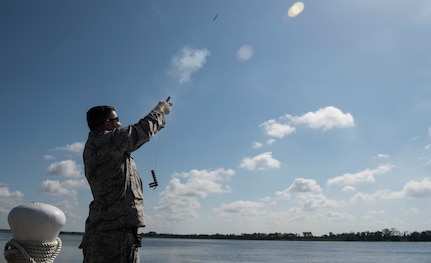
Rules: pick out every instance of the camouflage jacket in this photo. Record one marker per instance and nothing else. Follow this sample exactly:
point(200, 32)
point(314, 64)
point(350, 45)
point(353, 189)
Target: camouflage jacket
point(111, 172)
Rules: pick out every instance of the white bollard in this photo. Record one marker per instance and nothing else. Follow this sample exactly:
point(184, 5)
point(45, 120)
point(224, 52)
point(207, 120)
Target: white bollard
point(35, 228)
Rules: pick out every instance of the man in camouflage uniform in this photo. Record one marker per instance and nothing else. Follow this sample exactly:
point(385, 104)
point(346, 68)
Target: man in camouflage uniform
point(117, 210)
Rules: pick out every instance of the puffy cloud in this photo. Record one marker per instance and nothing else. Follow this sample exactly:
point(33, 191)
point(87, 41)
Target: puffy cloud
point(337, 216)
point(5, 193)
point(186, 62)
point(382, 156)
point(9, 199)
point(56, 188)
point(366, 175)
point(257, 145)
point(48, 157)
point(349, 188)
point(418, 189)
point(76, 147)
point(241, 207)
point(180, 199)
point(76, 183)
point(301, 185)
point(246, 210)
point(68, 168)
point(315, 202)
point(373, 214)
point(325, 118)
point(270, 141)
point(248, 214)
point(260, 162)
point(307, 194)
point(413, 189)
point(277, 129)
point(65, 188)
point(382, 194)
point(69, 207)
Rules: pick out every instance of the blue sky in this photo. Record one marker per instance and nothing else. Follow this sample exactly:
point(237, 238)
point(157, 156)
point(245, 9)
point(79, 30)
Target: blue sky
point(287, 117)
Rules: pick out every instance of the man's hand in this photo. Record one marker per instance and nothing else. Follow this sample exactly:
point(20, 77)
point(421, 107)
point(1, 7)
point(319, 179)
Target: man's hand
point(164, 107)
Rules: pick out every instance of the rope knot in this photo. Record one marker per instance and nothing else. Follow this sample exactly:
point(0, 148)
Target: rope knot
point(31, 251)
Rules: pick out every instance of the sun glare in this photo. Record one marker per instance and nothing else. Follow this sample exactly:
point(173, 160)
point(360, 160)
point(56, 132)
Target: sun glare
point(295, 9)
point(245, 52)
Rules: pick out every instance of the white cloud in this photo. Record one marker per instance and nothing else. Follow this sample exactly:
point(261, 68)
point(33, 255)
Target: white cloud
point(246, 210)
point(413, 189)
point(325, 118)
point(418, 189)
point(373, 214)
point(68, 168)
point(307, 195)
point(314, 202)
point(9, 199)
point(76, 183)
point(300, 185)
point(383, 156)
point(76, 147)
point(276, 129)
point(256, 145)
point(241, 207)
point(337, 216)
point(366, 175)
point(381, 194)
point(270, 141)
point(69, 207)
point(349, 189)
point(65, 188)
point(260, 162)
point(56, 188)
point(49, 157)
point(248, 214)
point(188, 61)
point(180, 199)
point(307, 201)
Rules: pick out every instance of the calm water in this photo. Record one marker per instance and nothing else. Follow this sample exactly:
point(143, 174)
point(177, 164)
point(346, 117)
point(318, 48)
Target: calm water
point(194, 250)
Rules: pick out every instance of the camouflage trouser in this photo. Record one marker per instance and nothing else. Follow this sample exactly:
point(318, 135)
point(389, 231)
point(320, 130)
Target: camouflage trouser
point(120, 246)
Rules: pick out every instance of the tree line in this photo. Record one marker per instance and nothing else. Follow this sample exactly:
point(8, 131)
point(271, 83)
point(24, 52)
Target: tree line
point(384, 235)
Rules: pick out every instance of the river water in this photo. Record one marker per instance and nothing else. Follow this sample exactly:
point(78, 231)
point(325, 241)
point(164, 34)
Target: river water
point(173, 250)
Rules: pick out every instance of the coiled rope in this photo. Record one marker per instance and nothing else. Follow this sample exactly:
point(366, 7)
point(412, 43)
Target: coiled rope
point(31, 251)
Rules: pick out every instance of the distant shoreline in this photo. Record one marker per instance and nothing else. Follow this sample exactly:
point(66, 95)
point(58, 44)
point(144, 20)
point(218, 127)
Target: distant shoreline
point(385, 235)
